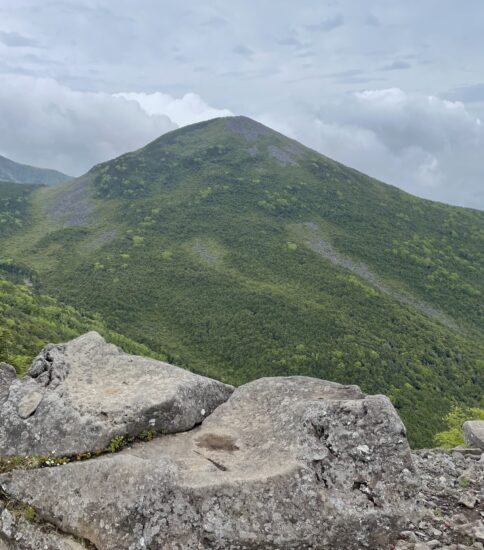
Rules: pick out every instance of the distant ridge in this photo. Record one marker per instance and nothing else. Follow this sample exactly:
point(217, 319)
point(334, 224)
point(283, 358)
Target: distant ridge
point(23, 173)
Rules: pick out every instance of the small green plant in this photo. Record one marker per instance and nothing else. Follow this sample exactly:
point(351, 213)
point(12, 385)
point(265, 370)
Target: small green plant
point(29, 513)
point(464, 483)
point(115, 444)
point(146, 435)
point(30, 462)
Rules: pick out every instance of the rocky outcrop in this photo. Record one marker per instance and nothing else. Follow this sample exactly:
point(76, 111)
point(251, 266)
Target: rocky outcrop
point(474, 433)
point(77, 397)
point(280, 463)
point(284, 463)
point(451, 494)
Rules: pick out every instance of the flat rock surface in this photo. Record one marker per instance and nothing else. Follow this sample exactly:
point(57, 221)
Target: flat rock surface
point(77, 396)
point(285, 463)
point(474, 433)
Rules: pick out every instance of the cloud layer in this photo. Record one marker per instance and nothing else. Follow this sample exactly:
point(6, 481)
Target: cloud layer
point(47, 124)
point(425, 145)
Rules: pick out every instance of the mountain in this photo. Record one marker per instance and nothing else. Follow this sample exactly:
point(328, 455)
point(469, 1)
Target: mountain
point(233, 251)
point(22, 173)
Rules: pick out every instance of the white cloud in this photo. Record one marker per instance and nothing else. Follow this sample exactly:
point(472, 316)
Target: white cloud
point(182, 111)
point(47, 124)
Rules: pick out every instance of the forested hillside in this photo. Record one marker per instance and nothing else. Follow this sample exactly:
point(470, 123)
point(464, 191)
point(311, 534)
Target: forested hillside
point(239, 253)
point(29, 321)
point(14, 206)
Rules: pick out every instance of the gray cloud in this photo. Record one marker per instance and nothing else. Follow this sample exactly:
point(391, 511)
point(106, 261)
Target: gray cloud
point(372, 20)
point(469, 94)
point(396, 66)
point(215, 22)
point(16, 40)
point(327, 24)
point(290, 40)
point(242, 50)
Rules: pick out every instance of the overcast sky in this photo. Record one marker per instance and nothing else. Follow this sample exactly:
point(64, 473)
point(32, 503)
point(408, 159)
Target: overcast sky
point(394, 88)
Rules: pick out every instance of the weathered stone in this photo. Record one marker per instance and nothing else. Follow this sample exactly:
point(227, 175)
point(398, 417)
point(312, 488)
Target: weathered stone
point(478, 532)
point(474, 433)
point(76, 397)
point(7, 376)
point(17, 533)
point(29, 403)
point(469, 451)
point(285, 463)
point(468, 500)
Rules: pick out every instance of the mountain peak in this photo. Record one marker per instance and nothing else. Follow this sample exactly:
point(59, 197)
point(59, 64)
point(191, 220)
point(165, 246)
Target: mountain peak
point(248, 127)
point(241, 135)
point(222, 128)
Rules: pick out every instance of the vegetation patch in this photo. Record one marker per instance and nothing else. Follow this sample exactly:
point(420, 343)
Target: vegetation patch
point(117, 443)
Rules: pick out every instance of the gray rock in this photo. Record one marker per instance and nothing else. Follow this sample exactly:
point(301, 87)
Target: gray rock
point(452, 512)
point(468, 500)
point(29, 403)
point(76, 397)
point(7, 523)
point(474, 433)
point(285, 463)
point(478, 532)
point(17, 533)
point(469, 451)
point(248, 128)
point(7, 376)
point(285, 155)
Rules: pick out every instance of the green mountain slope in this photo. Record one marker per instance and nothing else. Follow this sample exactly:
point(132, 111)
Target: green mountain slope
point(22, 173)
point(239, 253)
point(30, 320)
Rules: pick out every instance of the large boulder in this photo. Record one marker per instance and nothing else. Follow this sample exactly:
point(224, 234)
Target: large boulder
point(77, 396)
point(474, 433)
point(285, 463)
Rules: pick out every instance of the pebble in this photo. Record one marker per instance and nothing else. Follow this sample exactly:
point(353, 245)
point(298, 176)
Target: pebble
point(469, 501)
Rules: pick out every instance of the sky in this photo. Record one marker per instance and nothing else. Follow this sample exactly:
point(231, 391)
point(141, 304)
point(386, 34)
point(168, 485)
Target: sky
point(392, 88)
